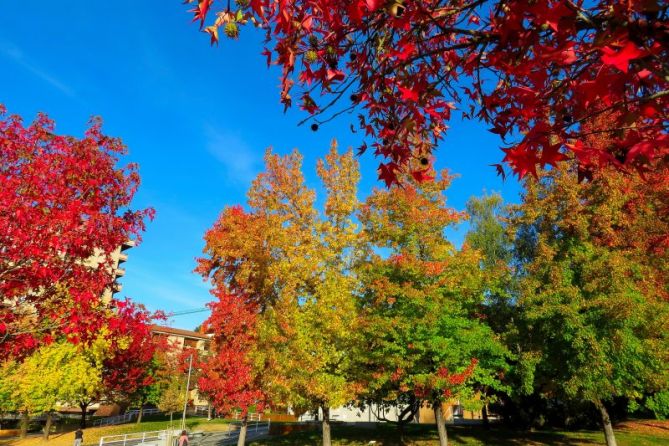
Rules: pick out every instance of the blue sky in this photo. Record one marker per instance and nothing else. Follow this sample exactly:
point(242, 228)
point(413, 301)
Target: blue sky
point(196, 118)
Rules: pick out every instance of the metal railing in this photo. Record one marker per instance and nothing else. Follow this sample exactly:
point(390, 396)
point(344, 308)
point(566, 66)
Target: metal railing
point(137, 438)
point(145, 412)
point(249, 417)
point(253, 430)
point(124, 418)
point(116, 419)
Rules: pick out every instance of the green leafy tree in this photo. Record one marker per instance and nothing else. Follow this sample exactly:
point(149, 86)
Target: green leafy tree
point(7, 384)
point(422, 307)
point(83, 382)
point(658, 403)
point(57, 373)
point(173, 396)
point(38, 381)
point(599, 324)
point(148, 394)
point(488, 234)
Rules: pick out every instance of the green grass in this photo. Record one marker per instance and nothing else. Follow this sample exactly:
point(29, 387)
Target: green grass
point(424, 435)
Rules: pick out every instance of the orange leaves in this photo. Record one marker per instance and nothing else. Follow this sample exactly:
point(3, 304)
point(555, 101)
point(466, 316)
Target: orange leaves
point(447, 380)
point(281, 272)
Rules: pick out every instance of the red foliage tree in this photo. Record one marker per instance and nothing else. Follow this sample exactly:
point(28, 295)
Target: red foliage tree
point(227, 376)
point(63, 211)
point(535, 71)
point(127, 370)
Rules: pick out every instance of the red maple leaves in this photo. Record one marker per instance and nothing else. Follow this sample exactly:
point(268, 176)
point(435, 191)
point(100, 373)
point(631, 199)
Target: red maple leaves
point(63, 212)
point(132, 347)
point(515, 65)
point(227, 377)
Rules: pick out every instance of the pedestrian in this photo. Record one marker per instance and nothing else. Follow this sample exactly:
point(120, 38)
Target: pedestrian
point(78, 437)
point(183, 439)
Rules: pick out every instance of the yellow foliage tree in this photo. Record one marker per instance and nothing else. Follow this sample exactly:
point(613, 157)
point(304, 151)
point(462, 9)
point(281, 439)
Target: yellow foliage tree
point(298, 266)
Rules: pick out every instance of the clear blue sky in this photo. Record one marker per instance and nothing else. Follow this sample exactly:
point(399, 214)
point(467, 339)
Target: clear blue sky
point(196, 118)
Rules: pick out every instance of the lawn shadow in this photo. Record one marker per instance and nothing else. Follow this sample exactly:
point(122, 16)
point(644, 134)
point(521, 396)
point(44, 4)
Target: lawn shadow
point(424, 435)
point(500, 436)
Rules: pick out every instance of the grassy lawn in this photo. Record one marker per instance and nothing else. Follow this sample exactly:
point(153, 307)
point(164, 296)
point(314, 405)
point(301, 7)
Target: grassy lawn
point(628, 434)
point(418, 435)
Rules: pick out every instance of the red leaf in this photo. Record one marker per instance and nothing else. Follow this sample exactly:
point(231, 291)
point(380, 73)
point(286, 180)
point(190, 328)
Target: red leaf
point(306, 23)
point(551, 155)
point(267, 53)
point(355, 11)
point(387, 173)
point(408, 93)
point(335, 75)
point(569, 56)
point(500, 170)
point(407, 51)
point(621, 58)
point(373, 5)
point(422, 175)
point(201, 11)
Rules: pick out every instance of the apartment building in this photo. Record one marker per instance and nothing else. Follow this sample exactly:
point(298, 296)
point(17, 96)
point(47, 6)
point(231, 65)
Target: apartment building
point(179, 340)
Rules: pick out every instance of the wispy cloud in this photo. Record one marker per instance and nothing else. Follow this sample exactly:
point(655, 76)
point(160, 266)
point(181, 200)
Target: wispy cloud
point(166, 291)
point(15, 54)
point(240, 161)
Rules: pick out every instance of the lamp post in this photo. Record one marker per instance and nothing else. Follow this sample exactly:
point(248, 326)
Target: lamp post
point(183, 418)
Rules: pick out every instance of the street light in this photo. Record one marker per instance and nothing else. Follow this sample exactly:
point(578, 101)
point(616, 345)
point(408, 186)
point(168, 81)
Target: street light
point(183, 418)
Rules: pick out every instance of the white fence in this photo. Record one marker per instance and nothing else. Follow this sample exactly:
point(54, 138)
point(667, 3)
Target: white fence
point(249, 417)
point(124, 418)
point(254, 429)
point(145, 412)
point(153, 438)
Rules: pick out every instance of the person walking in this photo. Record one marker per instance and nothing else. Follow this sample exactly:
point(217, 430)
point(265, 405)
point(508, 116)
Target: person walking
point(183, 439)
point(78, 437)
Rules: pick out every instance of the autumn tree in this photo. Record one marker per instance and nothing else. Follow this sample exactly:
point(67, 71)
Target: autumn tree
point(7, 403)
point(295, 266)
point(533, 71)
point(58, 373)
point(37, 382)
point(423, 303)
point(596, 307)
point(129, 367)
point(64, 209)
point(227, 376)
point(173, 396)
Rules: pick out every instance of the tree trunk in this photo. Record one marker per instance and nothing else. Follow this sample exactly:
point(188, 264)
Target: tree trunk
point(608, 427)
point(400, 432)
point(140, 413)
point(82, 423)
point(171, 418)
point(242, 430)
point(47, 426)
point(208, 411)
point(25, 420)
point(327, 438)
point(484, 415)
point(441, 426)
